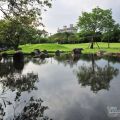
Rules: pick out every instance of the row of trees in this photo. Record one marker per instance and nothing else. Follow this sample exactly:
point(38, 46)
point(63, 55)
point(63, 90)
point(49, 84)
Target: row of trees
point(85, 37)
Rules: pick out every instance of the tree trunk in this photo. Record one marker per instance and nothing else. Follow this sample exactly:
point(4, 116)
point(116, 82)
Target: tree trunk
point(108, 43)
point(17, 43)
point(92, 44)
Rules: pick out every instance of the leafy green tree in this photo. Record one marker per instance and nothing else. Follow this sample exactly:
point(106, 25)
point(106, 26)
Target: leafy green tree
point(73, 39)
point(99, 20)
point(65, 37)
point(13, 33)
point(20, 15)
point(113, 35)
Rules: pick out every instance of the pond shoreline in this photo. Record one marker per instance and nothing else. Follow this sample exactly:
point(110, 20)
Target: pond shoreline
point(51, 54)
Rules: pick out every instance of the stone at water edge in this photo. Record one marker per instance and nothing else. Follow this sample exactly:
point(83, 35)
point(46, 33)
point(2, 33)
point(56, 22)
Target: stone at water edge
point(77, 51)
point(18, 56)
point(57, 53)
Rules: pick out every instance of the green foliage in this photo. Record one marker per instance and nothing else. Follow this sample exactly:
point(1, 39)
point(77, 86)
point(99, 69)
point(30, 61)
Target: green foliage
point(21, 18)
point(112, 35)
point(13, 33)
point(25, 11)
point(99, 20)
point(65, 37)
point(85, 37)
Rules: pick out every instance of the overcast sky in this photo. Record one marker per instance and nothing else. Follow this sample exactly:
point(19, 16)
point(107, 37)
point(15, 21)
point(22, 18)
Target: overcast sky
point(65, 12)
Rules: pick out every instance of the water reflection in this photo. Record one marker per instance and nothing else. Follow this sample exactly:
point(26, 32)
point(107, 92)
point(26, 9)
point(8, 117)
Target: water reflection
point(31, 110)
point(38, 61)
point(96, 76)
point(70, 60)
point(67, 59)
point(25, 85)
point(12, 79)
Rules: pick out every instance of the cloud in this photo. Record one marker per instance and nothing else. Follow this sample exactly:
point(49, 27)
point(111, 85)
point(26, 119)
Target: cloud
point(66, 12)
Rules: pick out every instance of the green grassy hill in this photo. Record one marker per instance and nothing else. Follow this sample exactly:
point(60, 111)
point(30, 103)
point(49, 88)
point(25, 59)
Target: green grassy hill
point(114, 47)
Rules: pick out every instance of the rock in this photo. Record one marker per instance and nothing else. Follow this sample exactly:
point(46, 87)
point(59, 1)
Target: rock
point(77, 50)
point(57, 53)
point(37, 52)
point(32, 53)
point(45, 52)
point(18, 56)
point(42, 55)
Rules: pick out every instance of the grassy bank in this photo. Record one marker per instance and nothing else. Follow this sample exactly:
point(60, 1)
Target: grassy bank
point(114, 47)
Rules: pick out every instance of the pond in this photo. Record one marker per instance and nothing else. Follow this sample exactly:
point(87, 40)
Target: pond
point(60, 88)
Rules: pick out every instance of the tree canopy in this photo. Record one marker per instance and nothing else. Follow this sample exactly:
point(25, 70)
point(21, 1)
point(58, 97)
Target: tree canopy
point(26, 11)
point(97, 21)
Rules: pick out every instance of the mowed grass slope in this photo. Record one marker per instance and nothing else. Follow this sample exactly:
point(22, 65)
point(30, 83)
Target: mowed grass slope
point(114, 47)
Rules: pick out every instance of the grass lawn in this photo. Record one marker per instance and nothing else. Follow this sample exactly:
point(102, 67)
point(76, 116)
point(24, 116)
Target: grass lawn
point(114, 47)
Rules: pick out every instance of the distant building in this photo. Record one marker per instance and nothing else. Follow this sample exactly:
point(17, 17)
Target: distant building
point(70, 29)
point(44, 33)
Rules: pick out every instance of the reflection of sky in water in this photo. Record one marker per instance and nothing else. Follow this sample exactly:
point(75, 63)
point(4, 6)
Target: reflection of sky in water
point(67, 100)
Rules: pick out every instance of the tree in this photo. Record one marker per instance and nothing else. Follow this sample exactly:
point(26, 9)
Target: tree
point(99, 20)
point(13, 33)
point(65, 37)
point(73, 38)
point(22, 14)
point(113, 35)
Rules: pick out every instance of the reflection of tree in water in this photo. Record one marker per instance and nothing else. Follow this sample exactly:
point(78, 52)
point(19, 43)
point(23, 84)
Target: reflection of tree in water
point(31, 110)
point(39, 61)
point(14, 80)
point(18, 66)
point(67, 59)
point(113, 59)
point(20, 83)
point(6, 68)
point(95, 76)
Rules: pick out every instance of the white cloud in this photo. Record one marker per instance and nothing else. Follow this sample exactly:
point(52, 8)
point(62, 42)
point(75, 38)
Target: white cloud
point(66, 12)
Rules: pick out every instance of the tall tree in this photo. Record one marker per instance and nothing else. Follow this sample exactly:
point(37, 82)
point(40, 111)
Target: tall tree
point(99, 20)
point(22, 14)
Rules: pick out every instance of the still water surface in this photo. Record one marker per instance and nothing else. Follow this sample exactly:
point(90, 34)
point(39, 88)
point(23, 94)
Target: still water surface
point(60, 88)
